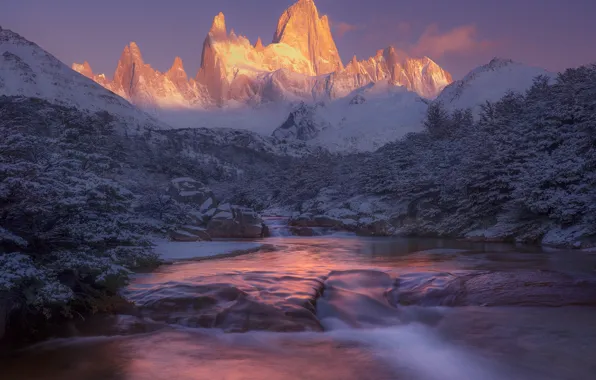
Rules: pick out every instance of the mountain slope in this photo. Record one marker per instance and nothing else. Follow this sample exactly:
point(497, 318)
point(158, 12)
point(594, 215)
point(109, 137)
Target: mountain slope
point(364, 121)
point(28, 70)
point(489, 83)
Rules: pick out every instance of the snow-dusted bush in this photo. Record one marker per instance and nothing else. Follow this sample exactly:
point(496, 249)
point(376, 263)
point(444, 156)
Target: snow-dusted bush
point(62, 208)
point(33, 285)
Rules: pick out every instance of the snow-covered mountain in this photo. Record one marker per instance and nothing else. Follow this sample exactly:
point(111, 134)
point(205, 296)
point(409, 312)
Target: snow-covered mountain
point(489, 83)
point(28, 70)
point(364, 121)
point(301, 63)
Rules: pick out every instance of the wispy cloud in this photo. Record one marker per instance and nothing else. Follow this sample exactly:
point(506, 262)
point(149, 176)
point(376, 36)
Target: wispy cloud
point(459, 40)
point(341, 28)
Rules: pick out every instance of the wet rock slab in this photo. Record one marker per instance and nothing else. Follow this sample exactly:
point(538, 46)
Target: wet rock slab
point(498, 288)
point(358, 299)
point(239, 304)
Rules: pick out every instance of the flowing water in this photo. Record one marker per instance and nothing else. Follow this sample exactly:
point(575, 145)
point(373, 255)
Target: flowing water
point(342, 308)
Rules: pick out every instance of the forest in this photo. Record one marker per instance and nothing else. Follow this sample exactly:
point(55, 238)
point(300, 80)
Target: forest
point(80, 200)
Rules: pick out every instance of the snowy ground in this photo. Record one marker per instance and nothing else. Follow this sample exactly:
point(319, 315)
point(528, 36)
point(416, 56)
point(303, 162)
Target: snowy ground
point(170, 251)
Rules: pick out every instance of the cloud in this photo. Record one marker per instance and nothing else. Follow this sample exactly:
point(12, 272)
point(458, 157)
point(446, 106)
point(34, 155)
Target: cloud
point(462, 39)
point(341, 28)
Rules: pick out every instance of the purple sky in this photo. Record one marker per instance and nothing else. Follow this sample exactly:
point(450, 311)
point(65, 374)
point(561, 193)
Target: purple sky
point(458, 34)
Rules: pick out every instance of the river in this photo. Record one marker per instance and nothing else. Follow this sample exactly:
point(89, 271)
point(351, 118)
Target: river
point(341, 307)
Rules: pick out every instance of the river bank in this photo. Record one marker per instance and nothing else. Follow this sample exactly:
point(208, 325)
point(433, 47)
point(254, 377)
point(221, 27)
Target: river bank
point(20, 327)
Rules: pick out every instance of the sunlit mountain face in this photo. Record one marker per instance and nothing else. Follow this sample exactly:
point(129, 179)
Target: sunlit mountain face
point(301, 63)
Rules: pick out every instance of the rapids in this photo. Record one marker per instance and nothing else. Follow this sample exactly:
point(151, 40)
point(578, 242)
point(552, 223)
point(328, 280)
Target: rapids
point(341, 308)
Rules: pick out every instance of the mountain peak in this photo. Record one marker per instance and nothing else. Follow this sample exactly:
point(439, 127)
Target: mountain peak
point(353, 67)
point(259, 45)
point(83, 68)
point(497, 62)
point(177, 65)
point(132, 52)
point(177, 74)
point(218, 27)
point(302, 62)
point(134, 48)
point(300, 27)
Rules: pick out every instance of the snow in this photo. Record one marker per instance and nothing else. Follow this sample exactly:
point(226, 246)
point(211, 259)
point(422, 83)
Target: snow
point(28, 70)
point(170, 251)
point(223, 215)
point(263, 119)
point(225, 207)
point(489, 83)
point(565, 236)
point(190, 193)
point(206, 205)
point(183, 179)
point(388, 114)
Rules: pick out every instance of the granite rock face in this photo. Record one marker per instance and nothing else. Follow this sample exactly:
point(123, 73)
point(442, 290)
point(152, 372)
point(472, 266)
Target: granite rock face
point(302, 62)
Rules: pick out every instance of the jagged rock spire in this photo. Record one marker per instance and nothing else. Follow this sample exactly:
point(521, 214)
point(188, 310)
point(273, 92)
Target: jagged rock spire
point(83, 68)
point(218, 27)
point(259, 45)
point(301, 27)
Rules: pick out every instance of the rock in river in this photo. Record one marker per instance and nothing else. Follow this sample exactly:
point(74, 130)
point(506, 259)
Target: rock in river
point(235, 222)
point(499, 288)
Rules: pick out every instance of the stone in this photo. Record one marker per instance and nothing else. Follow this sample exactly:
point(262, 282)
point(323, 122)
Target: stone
point(248, 315)
point(302, 231)
point(235, 222)
point(499, 288)
point(308, 220)
point(197, 231)
point(374, 228)
point(326, 221)
point(190, 191)
point(303, 220)
point(183, 236)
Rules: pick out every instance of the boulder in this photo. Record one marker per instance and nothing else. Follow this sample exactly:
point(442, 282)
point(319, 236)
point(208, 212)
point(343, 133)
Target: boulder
point(181, 235)
point(302, 231)
point(308, 220)
point(249, 315)
point(368, 227)
point(266, 232)
point(499, 288)
point(303, 220)
point(326, 221)
point(200, 232)
point(235, 222)
point(188, 190)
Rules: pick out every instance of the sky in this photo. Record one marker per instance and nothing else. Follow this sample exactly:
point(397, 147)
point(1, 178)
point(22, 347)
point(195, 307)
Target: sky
point(458, 34)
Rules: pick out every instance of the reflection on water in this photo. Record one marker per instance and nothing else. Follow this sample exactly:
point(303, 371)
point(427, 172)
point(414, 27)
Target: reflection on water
point(366, 337)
